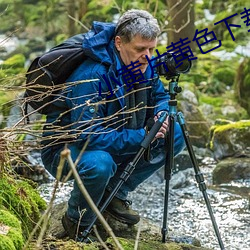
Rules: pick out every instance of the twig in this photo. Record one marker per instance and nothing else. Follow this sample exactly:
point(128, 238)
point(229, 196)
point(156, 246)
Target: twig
point(99, 238)
point(77, 21)
point(137, 236)
point(66, 154)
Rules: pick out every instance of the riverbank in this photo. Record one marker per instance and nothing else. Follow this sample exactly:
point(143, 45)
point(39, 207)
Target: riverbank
point(188, 216)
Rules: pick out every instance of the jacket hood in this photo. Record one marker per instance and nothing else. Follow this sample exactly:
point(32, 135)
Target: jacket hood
point(98, 43)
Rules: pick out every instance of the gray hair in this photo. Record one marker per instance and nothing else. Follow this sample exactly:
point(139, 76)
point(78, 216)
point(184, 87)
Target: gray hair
point(137, 22)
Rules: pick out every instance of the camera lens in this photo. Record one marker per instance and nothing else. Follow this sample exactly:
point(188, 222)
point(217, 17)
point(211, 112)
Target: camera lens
point(184, 67)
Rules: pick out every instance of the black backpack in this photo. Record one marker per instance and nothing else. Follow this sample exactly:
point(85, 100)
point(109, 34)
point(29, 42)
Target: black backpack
point(47, 74)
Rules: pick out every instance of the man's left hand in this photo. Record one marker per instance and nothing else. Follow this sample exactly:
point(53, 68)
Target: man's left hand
point(163, 129)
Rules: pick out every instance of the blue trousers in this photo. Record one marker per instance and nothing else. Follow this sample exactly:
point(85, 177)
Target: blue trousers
point(100, 170)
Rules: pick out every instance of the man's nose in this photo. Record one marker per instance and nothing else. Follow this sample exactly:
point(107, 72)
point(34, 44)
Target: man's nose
point(147, 53)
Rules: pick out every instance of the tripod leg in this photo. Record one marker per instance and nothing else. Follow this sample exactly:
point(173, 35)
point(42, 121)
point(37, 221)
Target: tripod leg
point(168, 173)
point(199, 177)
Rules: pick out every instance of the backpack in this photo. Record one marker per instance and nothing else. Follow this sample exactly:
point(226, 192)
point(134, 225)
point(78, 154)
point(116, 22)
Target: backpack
point(47, 74)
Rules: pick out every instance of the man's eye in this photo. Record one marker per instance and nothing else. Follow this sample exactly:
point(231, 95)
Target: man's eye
point(139, 49)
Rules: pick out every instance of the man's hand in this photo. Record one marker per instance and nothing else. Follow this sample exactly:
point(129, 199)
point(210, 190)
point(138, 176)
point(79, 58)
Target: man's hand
point(164, 128)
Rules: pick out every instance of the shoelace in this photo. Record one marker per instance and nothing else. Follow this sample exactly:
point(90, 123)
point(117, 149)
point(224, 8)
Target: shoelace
point(127, 203)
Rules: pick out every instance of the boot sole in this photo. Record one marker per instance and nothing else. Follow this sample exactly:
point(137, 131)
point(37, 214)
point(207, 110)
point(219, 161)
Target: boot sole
point(121, 219)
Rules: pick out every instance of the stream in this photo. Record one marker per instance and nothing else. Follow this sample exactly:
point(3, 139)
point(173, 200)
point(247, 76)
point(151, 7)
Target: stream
point(187, 212)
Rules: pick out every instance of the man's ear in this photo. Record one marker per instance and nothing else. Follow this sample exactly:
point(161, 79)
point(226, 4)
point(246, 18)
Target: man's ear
point(118, 42)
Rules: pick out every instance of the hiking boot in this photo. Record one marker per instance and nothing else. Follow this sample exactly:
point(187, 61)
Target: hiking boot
point(75, 231)
point(121, 211)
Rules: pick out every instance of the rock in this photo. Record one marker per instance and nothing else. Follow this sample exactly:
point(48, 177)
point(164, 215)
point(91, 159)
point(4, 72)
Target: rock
point(197, 125)
point(181, 179)
point(231, 169)
point(149, 238)
point(231, 139)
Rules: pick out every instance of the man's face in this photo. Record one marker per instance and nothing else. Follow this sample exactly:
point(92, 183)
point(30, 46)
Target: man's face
point(136, 50)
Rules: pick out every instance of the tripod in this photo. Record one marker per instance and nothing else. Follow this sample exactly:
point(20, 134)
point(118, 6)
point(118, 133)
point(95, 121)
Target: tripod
point(173, 90)
point(169, 163)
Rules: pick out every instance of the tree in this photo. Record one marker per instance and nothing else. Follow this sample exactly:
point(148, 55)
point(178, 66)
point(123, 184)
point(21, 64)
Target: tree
point(181, 20)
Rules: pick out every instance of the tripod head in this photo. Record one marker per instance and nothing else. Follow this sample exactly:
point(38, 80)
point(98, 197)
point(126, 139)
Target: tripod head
point(174, 89)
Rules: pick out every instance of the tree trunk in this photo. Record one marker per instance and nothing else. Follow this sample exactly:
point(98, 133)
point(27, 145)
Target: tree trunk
point(83, 7)
point(181, 22)
point(72, 13)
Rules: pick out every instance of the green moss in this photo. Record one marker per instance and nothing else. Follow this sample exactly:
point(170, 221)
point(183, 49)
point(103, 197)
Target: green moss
point(16, 237)
point(239, 128)
point(6, 243)
point(16, 61)
point(22, 200)
point(128, 244)
point(235, 125)
point(214, 101)
point(13, 239)
point(9, 219)
point(225, 75)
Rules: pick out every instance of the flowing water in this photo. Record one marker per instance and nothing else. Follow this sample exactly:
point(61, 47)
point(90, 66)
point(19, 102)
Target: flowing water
point(187, 212)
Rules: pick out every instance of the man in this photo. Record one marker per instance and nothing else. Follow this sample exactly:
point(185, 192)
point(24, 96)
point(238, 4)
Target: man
point(108, 116)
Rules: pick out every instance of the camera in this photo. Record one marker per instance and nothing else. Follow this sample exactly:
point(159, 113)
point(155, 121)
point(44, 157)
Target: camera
point(167, 65)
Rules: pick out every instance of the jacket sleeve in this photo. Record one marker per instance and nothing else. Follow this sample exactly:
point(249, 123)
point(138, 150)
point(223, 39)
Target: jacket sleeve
point(88, 120)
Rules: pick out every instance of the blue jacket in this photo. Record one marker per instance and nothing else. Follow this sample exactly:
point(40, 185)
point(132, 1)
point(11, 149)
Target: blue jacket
point(92, 115)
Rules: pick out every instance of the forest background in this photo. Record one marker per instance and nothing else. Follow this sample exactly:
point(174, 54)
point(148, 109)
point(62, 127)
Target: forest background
point(219, 74)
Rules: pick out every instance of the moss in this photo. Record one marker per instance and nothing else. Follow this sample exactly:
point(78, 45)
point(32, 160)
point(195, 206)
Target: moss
point(9, 219)
point(235, 125)
point(16, 61)
point(225, 75)
point(13, 239)
point(212, 100)
point(238, 128)
point(22, 200)
point(6, 243)
point(128, 244)
point(16, 237)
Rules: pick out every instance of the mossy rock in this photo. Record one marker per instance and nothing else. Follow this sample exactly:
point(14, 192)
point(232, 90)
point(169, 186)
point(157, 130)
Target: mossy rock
point(219, 107)
point(11, 237)
point(21, 199)
point(231, 139)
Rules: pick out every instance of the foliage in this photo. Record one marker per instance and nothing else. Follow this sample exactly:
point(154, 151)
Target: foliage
point(211, 74)
point(219, 10)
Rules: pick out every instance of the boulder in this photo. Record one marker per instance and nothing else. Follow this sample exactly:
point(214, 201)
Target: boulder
point(231, 169)
point(230, 140)
point(197, 125)
point(150, 235)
